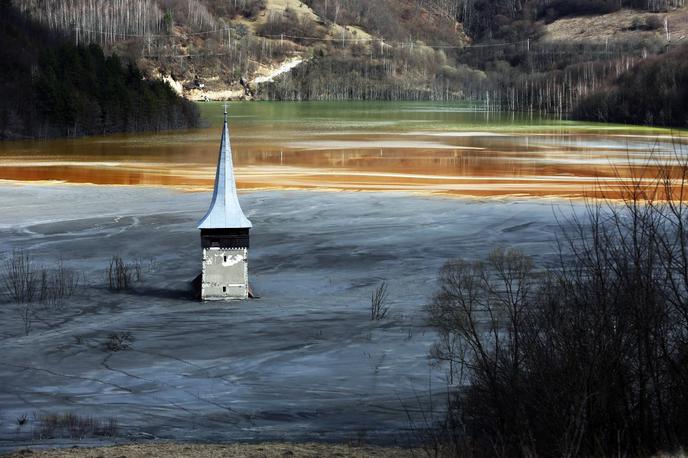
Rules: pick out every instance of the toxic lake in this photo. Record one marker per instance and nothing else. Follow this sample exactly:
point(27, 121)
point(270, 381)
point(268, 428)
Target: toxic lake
point(424, 147)
point(303, 361)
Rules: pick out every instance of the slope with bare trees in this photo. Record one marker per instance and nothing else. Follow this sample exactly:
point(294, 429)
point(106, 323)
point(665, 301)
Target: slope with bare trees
point(502, 55)
point(51, 88)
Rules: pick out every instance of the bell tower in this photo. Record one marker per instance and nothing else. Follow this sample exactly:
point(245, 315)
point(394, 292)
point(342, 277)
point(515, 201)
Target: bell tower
point(224, 234)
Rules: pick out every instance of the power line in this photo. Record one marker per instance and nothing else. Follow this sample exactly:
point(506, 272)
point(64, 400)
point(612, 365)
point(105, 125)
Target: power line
point(311, 38)
point(145, 35)
point(381, 41)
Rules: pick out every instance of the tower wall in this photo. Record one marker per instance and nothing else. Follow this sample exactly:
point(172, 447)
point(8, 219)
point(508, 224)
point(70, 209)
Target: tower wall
point(225, 264)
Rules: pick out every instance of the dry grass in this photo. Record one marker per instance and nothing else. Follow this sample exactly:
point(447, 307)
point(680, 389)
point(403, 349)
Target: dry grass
point(296, 5)
point(277, 6)
point(229, 450)
point(614, 26)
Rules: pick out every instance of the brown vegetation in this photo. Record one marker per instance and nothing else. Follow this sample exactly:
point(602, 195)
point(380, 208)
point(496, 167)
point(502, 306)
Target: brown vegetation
point(268, 450)
point(246, 8)
point(406, 50)
point(619, 26)
point(292, 25)
point(395, 20)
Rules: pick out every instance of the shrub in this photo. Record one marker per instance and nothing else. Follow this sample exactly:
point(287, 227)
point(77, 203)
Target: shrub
point(378, 300)
point(57, 284)
point(653, 23)
point(119, 341)
point(586, 358)
point(75, 426)
point(118, 274)
point(121, 275)
point(648, 23)
point(22, 419)
point(19, 277)
point(246, 8)
point(26, 284)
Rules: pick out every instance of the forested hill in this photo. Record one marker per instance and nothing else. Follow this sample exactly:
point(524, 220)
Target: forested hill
point(51, 88)
point(654, 92)
point(528, 55)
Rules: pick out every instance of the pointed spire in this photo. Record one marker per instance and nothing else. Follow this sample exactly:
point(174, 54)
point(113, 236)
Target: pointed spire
point(225, 211)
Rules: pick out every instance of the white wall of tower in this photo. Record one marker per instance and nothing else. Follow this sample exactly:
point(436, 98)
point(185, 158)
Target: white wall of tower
point(225, 273)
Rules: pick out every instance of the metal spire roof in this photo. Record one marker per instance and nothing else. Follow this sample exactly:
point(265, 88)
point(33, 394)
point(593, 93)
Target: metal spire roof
point(224, 211)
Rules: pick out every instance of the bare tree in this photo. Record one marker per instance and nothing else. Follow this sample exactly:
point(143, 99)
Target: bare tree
point(57, 284)
point(378, 301)
point(121, 275)
point(104, 22)
point(27, 284)
point(19, 277)
point(587, 358)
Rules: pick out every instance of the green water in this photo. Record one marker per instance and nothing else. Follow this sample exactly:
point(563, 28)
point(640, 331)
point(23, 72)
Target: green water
point(400, 116)
point(431, 147)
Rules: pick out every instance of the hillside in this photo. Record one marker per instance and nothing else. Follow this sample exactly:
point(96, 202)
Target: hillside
point(655, 91)
point(622, 25)
point(204, 48)
point(51, 88)
point(532, 55)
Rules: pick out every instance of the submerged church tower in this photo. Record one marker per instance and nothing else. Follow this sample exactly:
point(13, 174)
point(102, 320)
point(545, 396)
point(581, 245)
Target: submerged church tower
point(224, 234)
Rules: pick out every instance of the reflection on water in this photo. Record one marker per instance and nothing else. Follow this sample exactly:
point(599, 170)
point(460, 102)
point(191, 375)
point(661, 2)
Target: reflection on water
point(420, 147)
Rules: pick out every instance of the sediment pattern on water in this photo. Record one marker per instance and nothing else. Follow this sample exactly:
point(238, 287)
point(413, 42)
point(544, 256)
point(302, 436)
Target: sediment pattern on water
point(414, 147)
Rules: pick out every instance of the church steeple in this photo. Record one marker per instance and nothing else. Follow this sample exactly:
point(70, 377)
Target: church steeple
point(224, 211)
point(224, 234)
